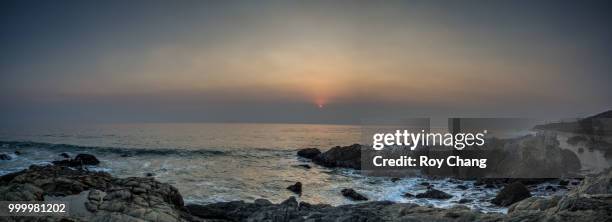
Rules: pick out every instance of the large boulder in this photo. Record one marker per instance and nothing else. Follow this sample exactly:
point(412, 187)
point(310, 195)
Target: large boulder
point(510, 194)
point(601, 184)
point(100, 196)
point(79, 160)
point(434, 194)
point(534, 204)
point(347, 156)
point(590, 201)
point(296, 188)
point(309, 153)
point(4, 156)
point(353, 195)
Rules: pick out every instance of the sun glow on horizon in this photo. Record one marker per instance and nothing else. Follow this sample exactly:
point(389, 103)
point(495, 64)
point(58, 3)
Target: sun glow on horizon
point(320, 103)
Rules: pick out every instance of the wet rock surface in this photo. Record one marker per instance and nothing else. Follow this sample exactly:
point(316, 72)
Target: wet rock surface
point(345, 156)
point(589, 202)
point(107, 198)
point(79, 160)
point(510, 194)
point(4, 156)
point(309, 153)
point(296, 188)
point(353, 195)
point(434, 194)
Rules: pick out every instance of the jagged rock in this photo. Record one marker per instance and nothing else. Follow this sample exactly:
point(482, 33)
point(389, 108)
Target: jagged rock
point(462, 187)
point(464, 200)
point(601, 184)
point(296, 188)
point(262, 202)
point(87, 159)
point(17, 152)
point(79, 160)
point(591, 201)
point(434, 194)
point(534, 203)
point(21, 192)
point(143, 199)
point(305, 166)
point(347, 156)
point(510, 194)
point(290, 210)
point(4, 156)
point(309, 153)
point(64, 155)
point(106, 198)
point(353, 195)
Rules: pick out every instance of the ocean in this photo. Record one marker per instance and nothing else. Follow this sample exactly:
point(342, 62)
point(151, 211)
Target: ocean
point(213, 162)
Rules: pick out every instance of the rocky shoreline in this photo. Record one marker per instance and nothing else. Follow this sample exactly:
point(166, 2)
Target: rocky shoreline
point(98, 196)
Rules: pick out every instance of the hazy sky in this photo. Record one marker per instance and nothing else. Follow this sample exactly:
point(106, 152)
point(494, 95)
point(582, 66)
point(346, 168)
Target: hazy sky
point(269, 61)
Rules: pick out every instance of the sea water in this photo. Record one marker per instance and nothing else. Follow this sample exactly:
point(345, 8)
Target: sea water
point(211, 162)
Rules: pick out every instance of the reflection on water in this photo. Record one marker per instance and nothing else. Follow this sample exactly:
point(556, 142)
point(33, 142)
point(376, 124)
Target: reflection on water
point(193, 135)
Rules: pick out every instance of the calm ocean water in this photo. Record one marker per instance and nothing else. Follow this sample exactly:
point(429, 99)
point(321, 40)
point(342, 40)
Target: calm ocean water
point(211, 162)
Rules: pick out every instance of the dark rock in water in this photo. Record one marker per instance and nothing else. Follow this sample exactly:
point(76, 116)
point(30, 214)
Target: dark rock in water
point(65, 155)
point(305, 166)
point(17, 152)
point(395, 179)
point(489, 186)
point(510, 194)
point(87, 159)
point(571, 208)
point(455, 181)
point(434, 194)
point(149, 174)
point(107, 198)
point(4, 156)
point(352, 194)
point(408, 195)
point(550, 188)
point(562, 187)
point(347, 156)
point(424, 184)
point(563, 182)
point(296, 188)
point(309, 153)
point(79, 160)
point(464, 200)
point(125, 155)
point(462, 187)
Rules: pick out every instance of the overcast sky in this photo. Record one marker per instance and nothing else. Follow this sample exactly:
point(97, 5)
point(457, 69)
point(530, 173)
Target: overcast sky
point(302, 61)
